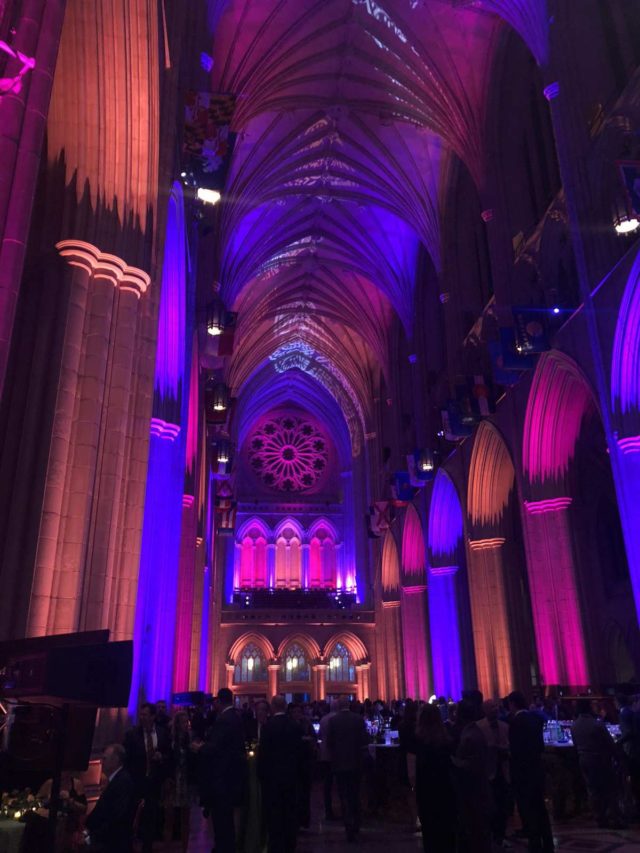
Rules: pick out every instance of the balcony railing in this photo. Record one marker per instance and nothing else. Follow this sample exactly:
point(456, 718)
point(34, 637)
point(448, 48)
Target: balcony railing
point(305, 599)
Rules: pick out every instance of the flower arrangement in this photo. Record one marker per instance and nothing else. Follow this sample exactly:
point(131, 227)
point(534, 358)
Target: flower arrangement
point(17, 804)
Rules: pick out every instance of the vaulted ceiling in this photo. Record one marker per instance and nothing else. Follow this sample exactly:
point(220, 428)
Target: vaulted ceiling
point(348, 113)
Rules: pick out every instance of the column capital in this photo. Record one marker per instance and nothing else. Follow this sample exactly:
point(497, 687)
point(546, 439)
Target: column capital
point(88, 257)
point(486, 544)
point(363, 666)
point(442, 571)
point(414, 590)
point(629, 445)
point(164, 429)
point(548, 505)
point(551, 91)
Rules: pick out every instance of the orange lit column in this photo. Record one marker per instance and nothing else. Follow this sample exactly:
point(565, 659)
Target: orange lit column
point(392, 629)
point(489, 616)
point(320, 680)
point(554, 594)
point(229, 668)
point(100, 603)
point(273, 669)
point(362, 679)
point(415, 642)
point(60, 454)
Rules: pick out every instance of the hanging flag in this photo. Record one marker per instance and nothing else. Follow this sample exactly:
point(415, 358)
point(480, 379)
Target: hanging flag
point(453, 425)
point(402, 492)
point(225, 511)
point(502, 375)
point(475, 399)
point(529, 329)
point(380, 517)
point(208, 139)
point(418, 478)
point(512, 358)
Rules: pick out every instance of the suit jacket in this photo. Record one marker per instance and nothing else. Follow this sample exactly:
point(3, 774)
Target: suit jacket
point(136, 764)
point(280, 753)
point(526, 744)
point(346, 738)
point(224, 760)
point(111, 821)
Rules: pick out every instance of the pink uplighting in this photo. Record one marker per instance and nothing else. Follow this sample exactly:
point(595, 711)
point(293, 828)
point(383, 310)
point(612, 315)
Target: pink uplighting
point(413, 547)
point(558, 400)
point(550, 505)
point(164, 430)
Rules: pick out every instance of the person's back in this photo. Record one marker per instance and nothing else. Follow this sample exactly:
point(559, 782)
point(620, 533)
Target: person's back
point(346, 739)
point(280, 751)
point(110, 823)
point(592, 740)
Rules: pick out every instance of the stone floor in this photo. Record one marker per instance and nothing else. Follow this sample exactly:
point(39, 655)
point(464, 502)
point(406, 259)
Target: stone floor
point(579, 836)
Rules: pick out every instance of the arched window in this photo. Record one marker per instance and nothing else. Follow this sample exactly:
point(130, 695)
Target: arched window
point(322, 560)
point(295, 666)
point(251, 666)
point(288, 560)
point(341, 666)
point(253, 560)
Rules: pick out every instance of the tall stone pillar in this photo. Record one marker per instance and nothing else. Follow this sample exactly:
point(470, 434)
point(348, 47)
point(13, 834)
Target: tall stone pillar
point(392, 629)
point(554, 595)
point(320, 680)
point(271, 565)
point(362, 680)
point(186, 594)
point(445, 635)
point(273, 669)
point(489, 616)
point(417, 676)
point(78, 557)
point(305, 565)
point(229, 668)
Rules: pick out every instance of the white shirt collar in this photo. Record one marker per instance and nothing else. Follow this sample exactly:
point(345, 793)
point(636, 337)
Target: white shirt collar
point(115, 773)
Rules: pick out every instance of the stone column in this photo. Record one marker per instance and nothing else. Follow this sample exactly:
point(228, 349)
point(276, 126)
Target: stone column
point(186, 591)
point(554, 595)
point(320, 680)
point(362, 679)
point(305, 565)
point(491, 638)
point(229, 669)
point(392, 630)
point(445, 634)
point(271, 566)
point(273, 669)
point(415, 639)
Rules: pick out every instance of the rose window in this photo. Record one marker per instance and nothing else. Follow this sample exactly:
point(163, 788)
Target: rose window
point(289, 454)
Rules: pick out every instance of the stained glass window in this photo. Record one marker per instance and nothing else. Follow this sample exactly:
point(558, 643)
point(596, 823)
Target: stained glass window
point(295, 666)
point(341, 666)
point(251, 666)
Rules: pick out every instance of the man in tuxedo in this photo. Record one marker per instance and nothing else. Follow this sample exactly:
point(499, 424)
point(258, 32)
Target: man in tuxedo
point(224, 772)
point(110, 823)
point(279, 766)
point(347, 740)
point(526, 745)
point(148, 748)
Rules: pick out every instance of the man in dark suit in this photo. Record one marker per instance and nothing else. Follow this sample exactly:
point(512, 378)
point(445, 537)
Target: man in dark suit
point(147, 748)
point(224, 772)
point(279, 766)
point(110, 823)
point(526, 745)
point(347, 740)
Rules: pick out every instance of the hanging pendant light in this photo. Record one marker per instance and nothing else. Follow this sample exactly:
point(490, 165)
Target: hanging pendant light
point(220, 397)
point(223, 453)
point(215, 318)
point(425, 461)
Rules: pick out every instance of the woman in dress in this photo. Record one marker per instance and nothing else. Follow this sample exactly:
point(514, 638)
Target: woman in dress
point(178, 787)
point(435, 794)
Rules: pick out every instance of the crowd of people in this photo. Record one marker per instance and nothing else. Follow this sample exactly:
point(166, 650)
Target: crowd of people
point(469, 765)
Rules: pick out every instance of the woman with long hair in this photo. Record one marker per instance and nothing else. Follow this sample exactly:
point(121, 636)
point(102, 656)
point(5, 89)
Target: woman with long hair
point(435, 794)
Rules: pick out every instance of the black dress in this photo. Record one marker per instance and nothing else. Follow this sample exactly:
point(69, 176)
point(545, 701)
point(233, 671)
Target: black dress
point(435, 797)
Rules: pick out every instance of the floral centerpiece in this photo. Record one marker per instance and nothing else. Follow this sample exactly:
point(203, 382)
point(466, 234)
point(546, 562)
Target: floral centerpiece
point(17, 804)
